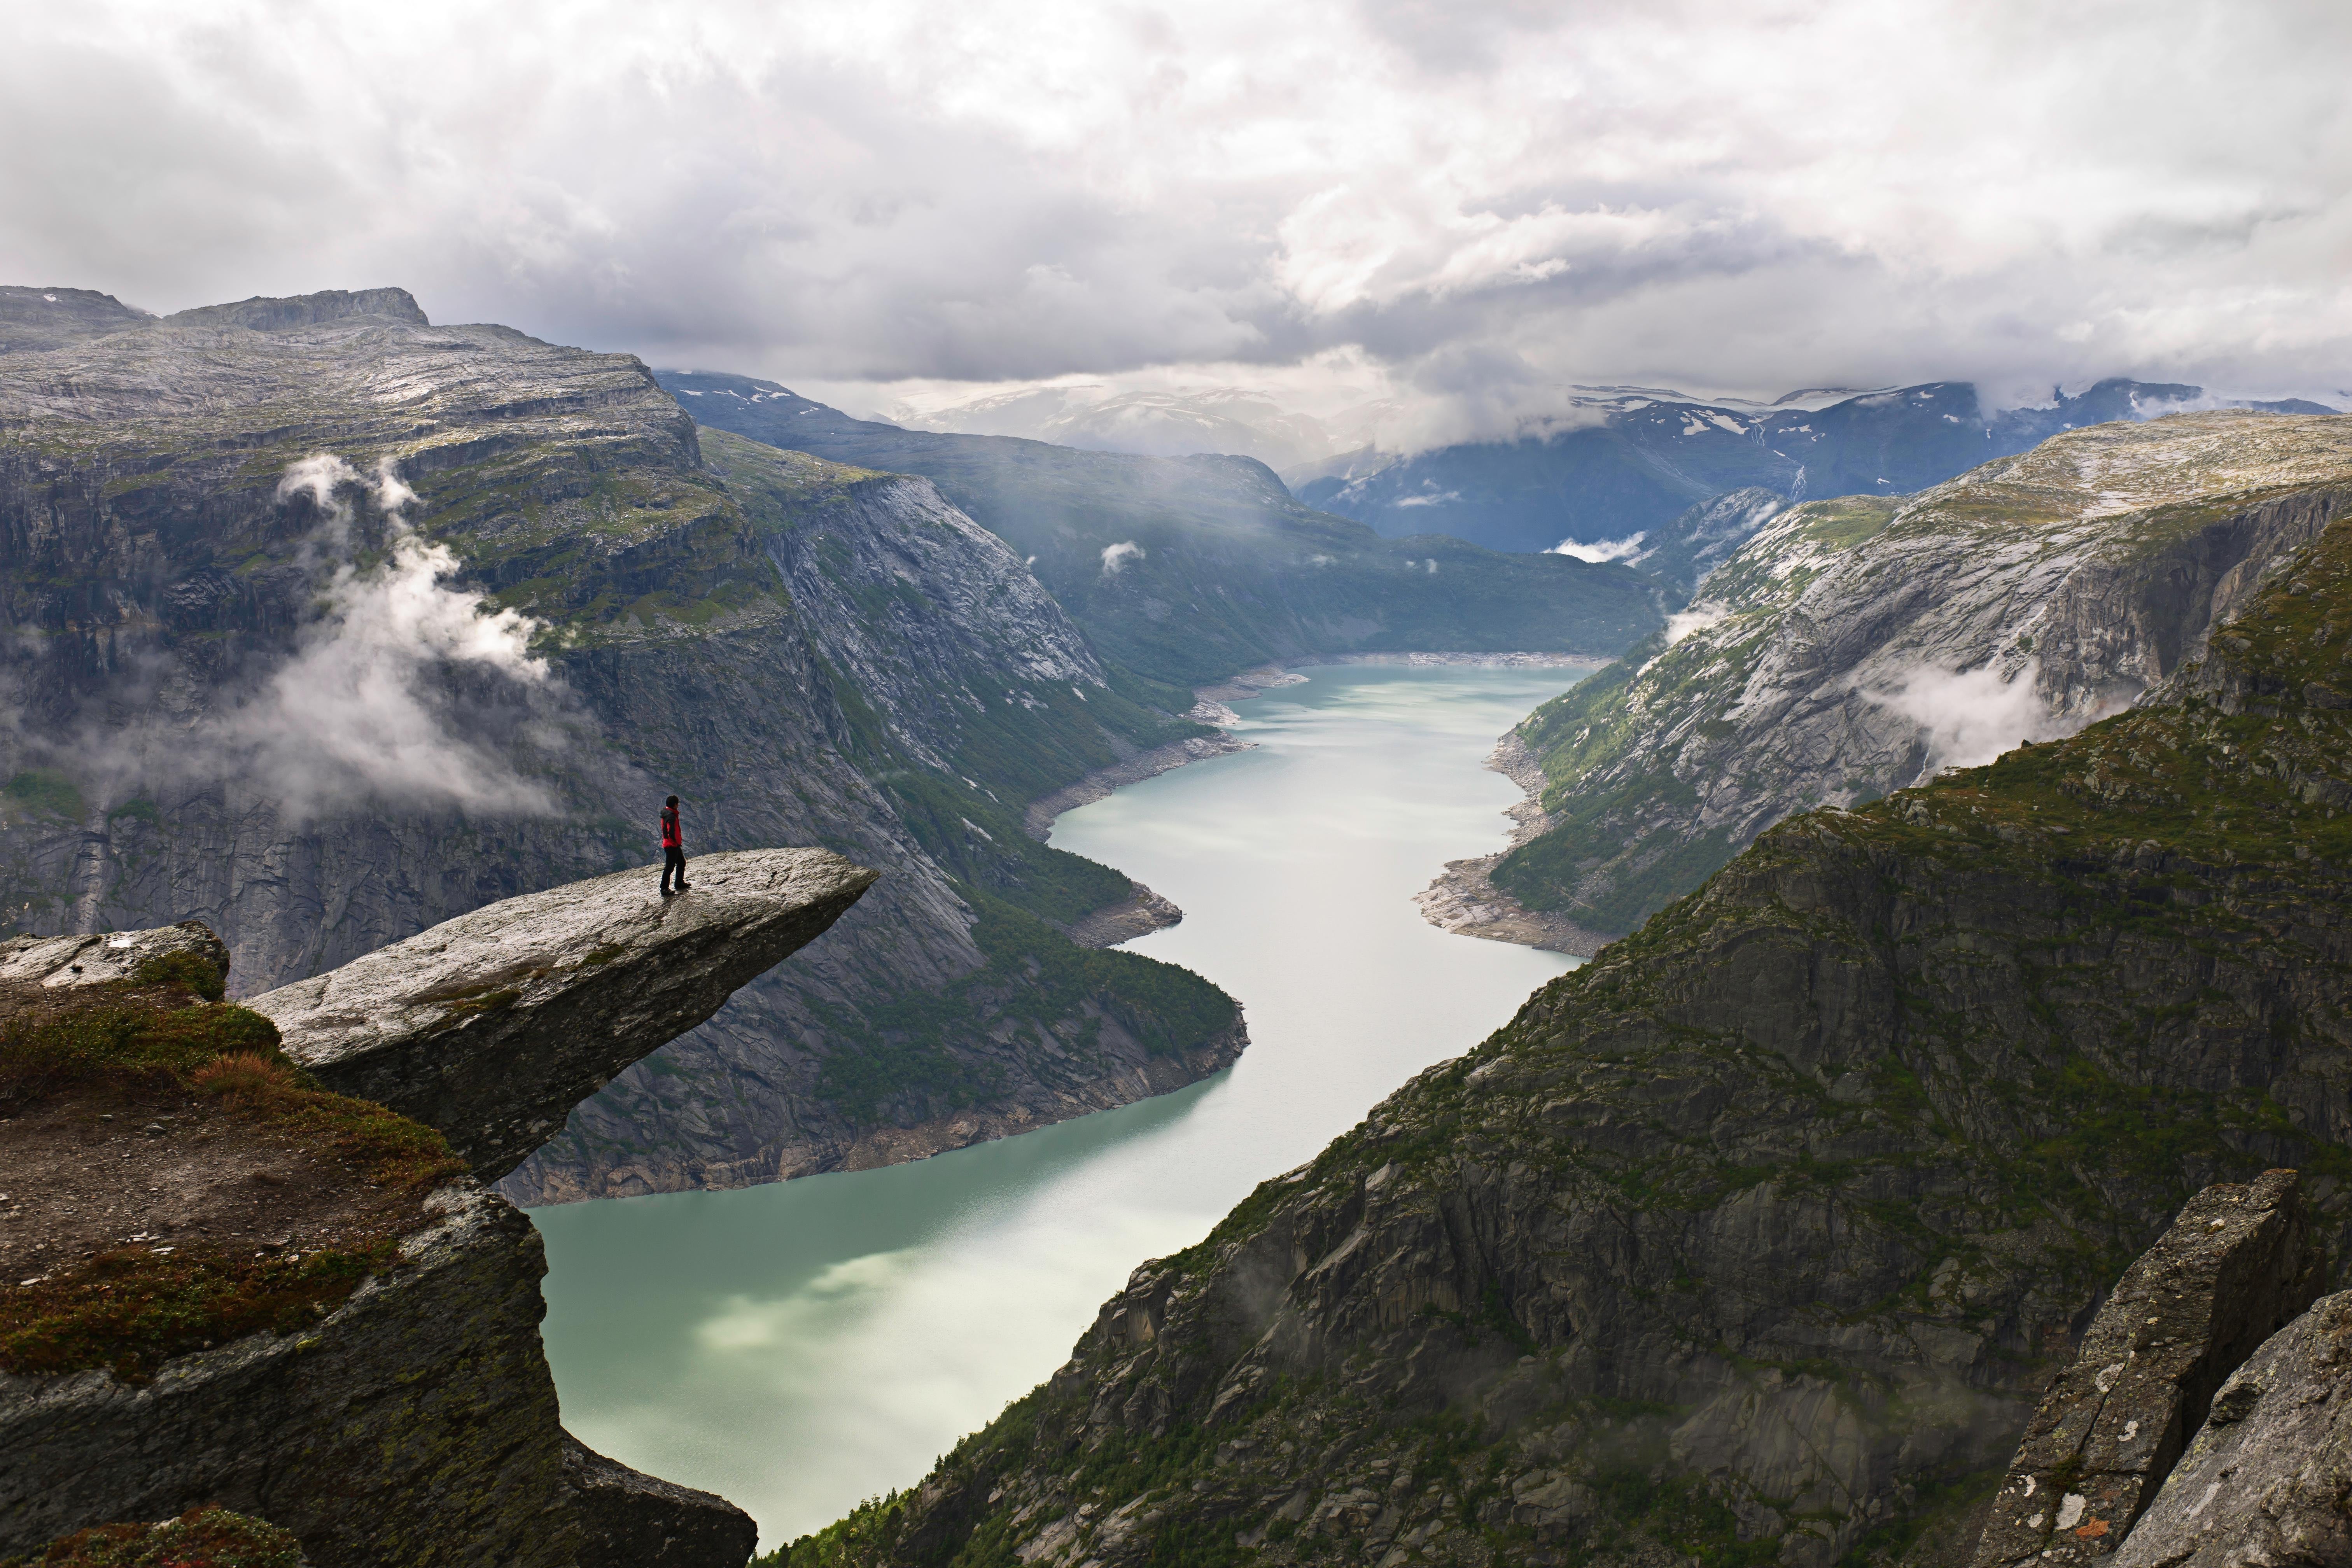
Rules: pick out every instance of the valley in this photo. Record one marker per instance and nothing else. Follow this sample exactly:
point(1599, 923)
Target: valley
point(1956, 867)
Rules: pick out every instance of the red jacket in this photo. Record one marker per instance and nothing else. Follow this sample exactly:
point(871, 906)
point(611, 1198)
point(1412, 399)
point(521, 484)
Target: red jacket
point(673, 837)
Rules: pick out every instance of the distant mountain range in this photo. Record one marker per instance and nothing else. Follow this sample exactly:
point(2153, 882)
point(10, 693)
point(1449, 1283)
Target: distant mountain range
point(1187, 569)
point(1615, 461)
point(1147, 424)
point(1635, 459)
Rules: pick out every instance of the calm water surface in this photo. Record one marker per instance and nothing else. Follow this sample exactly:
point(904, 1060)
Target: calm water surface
point(798, 1347)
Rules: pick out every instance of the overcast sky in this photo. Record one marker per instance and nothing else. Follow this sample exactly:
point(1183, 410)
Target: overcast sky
point(1468, 205)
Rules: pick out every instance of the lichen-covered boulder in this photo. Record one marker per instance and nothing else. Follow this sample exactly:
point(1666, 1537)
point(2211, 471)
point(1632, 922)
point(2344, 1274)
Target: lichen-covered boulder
point(2239, 1262)
point(2268, 1479)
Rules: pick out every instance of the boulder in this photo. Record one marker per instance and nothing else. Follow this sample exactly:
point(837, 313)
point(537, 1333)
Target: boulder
point(2239, 1262)
point(631, 1520)
point(55, 961)
point(493, 1026)
point(2268, 1478)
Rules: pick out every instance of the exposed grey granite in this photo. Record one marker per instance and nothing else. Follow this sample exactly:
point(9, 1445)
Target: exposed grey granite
point(54, 961)
point(2238, 1263)
point(493, 1026)
point(2268, 1480)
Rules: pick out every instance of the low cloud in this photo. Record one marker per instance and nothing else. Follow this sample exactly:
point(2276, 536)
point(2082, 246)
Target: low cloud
point(1970, 717)
point(1697, 618)
point(401, 690)
point(358, 714)
point(1601, 550)
point(1115, 557)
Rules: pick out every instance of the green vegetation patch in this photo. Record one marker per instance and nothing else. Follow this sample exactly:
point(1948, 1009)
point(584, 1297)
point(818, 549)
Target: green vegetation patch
point(46, 791)
point(207, 1537)
point(153, 1039)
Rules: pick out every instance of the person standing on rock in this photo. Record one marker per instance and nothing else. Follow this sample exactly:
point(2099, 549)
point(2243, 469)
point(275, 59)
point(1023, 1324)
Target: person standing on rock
point(673, 848)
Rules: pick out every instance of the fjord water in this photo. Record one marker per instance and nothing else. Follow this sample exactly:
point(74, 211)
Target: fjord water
point(800, 1346)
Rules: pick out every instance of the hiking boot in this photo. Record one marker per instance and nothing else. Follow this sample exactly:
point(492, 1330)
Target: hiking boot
point(684, 887)
point(667, 894)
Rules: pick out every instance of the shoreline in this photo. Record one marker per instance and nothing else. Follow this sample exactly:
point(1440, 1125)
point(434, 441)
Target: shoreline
point(1461, 902)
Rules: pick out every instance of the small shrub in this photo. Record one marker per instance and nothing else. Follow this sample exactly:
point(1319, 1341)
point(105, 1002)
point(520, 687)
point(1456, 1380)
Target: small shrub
point(191, 971)
point(205, 1537)
point(244, 1076)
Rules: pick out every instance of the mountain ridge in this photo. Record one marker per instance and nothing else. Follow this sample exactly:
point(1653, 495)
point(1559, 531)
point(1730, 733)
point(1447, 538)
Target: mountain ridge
point(548, 608)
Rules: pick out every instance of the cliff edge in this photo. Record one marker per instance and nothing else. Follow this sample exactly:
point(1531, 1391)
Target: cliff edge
point(234, 1281)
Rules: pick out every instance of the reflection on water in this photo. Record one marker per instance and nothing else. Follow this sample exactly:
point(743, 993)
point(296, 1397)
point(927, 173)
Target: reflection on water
point(798, 1347)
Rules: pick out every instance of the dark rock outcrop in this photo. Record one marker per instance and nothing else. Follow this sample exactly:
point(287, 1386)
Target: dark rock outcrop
point(631, 1520)
point(2267, 1483)
point(2239, 1263)
point(491, 1027)
point(417, 1424)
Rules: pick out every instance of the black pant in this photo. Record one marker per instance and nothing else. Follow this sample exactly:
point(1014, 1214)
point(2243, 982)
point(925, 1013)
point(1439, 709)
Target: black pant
point(673, 860)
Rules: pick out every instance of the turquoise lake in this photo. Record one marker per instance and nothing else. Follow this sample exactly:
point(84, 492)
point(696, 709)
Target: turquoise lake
point(798, 1347)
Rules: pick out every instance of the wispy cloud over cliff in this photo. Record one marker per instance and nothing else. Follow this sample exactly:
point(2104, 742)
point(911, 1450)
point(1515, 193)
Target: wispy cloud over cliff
point(402, 689)
point(364, 709)
point(1969, 717)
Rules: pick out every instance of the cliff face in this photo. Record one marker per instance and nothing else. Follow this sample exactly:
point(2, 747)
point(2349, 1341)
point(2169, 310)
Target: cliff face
point(247, 684)
point(1189, 569)
point(1752, 1239)
point(1855, 647)
point(296, 1304)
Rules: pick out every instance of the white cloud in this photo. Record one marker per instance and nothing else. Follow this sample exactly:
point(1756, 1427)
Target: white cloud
point(1697, 618)
point(1723, 195)
point(1115, 557)
point(1971, 717)
point(1601, 550)
point(364, 710)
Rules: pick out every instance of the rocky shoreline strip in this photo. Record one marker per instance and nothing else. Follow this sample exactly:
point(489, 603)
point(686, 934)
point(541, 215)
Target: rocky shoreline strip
point(1464, 900)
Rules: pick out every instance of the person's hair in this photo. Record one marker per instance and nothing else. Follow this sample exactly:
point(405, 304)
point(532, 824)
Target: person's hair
point(671, 801)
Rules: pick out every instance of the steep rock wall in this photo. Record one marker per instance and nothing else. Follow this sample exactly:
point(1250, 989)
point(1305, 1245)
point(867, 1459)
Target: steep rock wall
point(160, 573)
point(414, 1425)
point(1752, 1240)
point(1853, 647)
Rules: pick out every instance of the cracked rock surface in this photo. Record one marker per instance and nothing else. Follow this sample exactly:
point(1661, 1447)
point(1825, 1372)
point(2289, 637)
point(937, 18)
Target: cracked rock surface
point(2239, 1263)
point(492, 1026)
point(2268, 1479)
